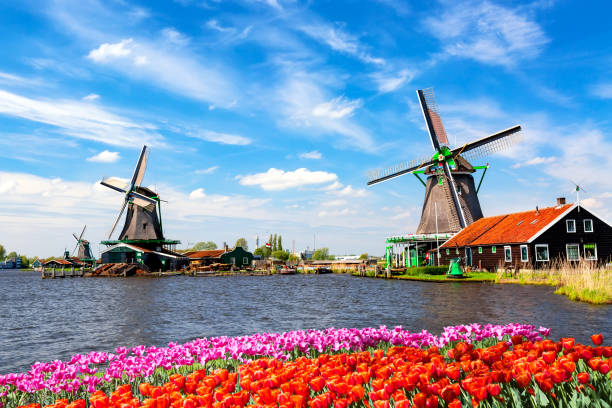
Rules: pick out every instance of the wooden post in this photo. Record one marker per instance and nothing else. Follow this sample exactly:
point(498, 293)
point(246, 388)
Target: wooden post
point(53, 273)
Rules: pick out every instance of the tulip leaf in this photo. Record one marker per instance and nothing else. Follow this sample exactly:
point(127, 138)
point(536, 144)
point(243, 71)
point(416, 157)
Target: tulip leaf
point(516, 398)
point(541, 398)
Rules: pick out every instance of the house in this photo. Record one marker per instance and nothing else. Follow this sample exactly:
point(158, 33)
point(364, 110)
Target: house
point(37, 264)
point(61, 263)
point(158, 259)
point(11, 263)
point(237, 257)
point(566, 232)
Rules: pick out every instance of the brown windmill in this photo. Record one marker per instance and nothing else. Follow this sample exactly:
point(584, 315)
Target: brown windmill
point(451, 199)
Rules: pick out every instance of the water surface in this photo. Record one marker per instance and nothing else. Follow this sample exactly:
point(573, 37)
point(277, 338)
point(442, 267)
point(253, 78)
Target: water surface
point(49, 319)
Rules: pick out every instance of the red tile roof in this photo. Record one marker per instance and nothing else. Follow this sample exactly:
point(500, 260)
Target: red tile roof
point(506, 229)
point(214, 253)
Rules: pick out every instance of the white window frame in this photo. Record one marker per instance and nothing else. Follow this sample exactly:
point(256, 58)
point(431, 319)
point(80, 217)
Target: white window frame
point(547, 253)
point(567, 224)
point(584, 224)
point(506, 254)
point(583, 251)
point(567, 251)
point(245, 260)
point(527, 252)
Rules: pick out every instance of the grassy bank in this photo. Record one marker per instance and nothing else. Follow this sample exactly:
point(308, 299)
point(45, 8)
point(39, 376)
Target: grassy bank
point(584, 282)
point(434, 274)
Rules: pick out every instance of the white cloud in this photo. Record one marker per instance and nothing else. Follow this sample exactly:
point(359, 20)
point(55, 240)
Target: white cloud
point(214, 25)
point(223, 138)
point(314, 155)
point(337, 213)
point(91, 97)
point(104, 157)
point(80, 120)
point(209, 170)
point(333, 203)
point(337, 108)
point(197, 194)
point(305, 103)
point(487, 33)
point(107, 52)
point(349, 191)
point(340, 41)
point(276, 179)
point(173, 36)
point(602, 90)
point(391, 82)
point(535, 161)
point(169, 65)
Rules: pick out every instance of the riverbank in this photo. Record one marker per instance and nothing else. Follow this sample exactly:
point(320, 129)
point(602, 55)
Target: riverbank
point(584, 282)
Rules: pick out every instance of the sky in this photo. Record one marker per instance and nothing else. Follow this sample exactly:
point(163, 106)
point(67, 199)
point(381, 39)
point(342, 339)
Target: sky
point(264, 116)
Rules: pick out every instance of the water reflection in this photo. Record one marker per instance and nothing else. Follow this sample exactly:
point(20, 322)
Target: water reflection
point(52, 319)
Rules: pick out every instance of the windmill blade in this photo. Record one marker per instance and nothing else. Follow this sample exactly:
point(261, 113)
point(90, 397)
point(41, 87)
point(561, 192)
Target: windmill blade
point(141, 167)
point(380, 175)
point(82, 232)
point(114, 183)
point(75, 237)
point(143, 201)
point(490, 144)
point(75, 248)
point(118, 217)
point(431, 113)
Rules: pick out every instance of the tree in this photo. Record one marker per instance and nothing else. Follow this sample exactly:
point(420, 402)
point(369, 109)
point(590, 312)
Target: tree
point(12, 254)
point(241, 242)
point(320, 254)
point(204, 246)
point(282, 255)
point(25, 262)
point(2, 253)
point(279, 243)
point(363, 256)
point(274, 246)
point(263, 252)
point(293, 258)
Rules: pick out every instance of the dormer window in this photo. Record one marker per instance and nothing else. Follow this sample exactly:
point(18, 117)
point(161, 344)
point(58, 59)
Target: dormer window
point(534, 221)
point(571, 225)
point(588, 225)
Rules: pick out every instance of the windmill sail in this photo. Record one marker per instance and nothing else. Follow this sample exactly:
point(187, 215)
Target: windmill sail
point(431, 107)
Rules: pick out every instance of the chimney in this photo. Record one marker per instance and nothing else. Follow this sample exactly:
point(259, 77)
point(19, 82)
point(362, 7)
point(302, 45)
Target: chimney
point(225, 247)
point(560, 201)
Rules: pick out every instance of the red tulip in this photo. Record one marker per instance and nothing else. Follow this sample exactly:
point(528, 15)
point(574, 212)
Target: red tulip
point(597, 339)
point(583, 377)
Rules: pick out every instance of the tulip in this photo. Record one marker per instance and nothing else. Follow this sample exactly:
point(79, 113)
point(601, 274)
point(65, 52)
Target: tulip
point(597, 339)
point(583, 377)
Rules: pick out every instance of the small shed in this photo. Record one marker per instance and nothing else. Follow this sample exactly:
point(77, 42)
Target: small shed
point(238, 257)
point(204, 258)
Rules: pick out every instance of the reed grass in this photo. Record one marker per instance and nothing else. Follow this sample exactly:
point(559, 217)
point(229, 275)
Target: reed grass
point(582, 281)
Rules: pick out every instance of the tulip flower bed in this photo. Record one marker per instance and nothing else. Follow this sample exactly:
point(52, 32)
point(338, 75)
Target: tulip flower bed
point(467, 364)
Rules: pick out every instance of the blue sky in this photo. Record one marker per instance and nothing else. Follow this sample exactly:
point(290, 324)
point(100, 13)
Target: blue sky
point(265, 115)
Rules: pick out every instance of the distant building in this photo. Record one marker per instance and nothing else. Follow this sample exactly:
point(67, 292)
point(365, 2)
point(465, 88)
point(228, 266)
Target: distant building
point(346, 257)
point(307, 255)
point(11, 263)
point(532, 239)
point(237, 256)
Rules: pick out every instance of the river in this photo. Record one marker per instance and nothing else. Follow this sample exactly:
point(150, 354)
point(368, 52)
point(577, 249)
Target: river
point(50, 319)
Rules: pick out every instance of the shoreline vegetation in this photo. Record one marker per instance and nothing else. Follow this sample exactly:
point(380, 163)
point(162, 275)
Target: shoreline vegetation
point(583, 282)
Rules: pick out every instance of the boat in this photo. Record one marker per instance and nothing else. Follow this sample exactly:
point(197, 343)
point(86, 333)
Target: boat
point(285, 270)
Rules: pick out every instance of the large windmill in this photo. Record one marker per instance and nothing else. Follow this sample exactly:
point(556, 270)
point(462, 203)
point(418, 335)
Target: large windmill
point(143, 220)
point(84, 250)
point(451, 200)
point(142, 239)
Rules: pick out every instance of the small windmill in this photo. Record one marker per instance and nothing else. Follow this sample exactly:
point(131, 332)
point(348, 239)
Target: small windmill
point(84, 250)
point(577, 189)
point(451, 201)
point(143, 221)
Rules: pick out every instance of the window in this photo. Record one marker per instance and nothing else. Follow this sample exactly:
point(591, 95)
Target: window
point(144, 226)
point(456, 251)
point(541, 252)
point(245, 261)
point(571, 225)
point(493, 249)
point(519, 223)
point(588, 225)
point(573, 252)
point(524, 254)
point(480, 250)
point(468, 256)
point(447, 251)
point(590, 252)
point(508, 253)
